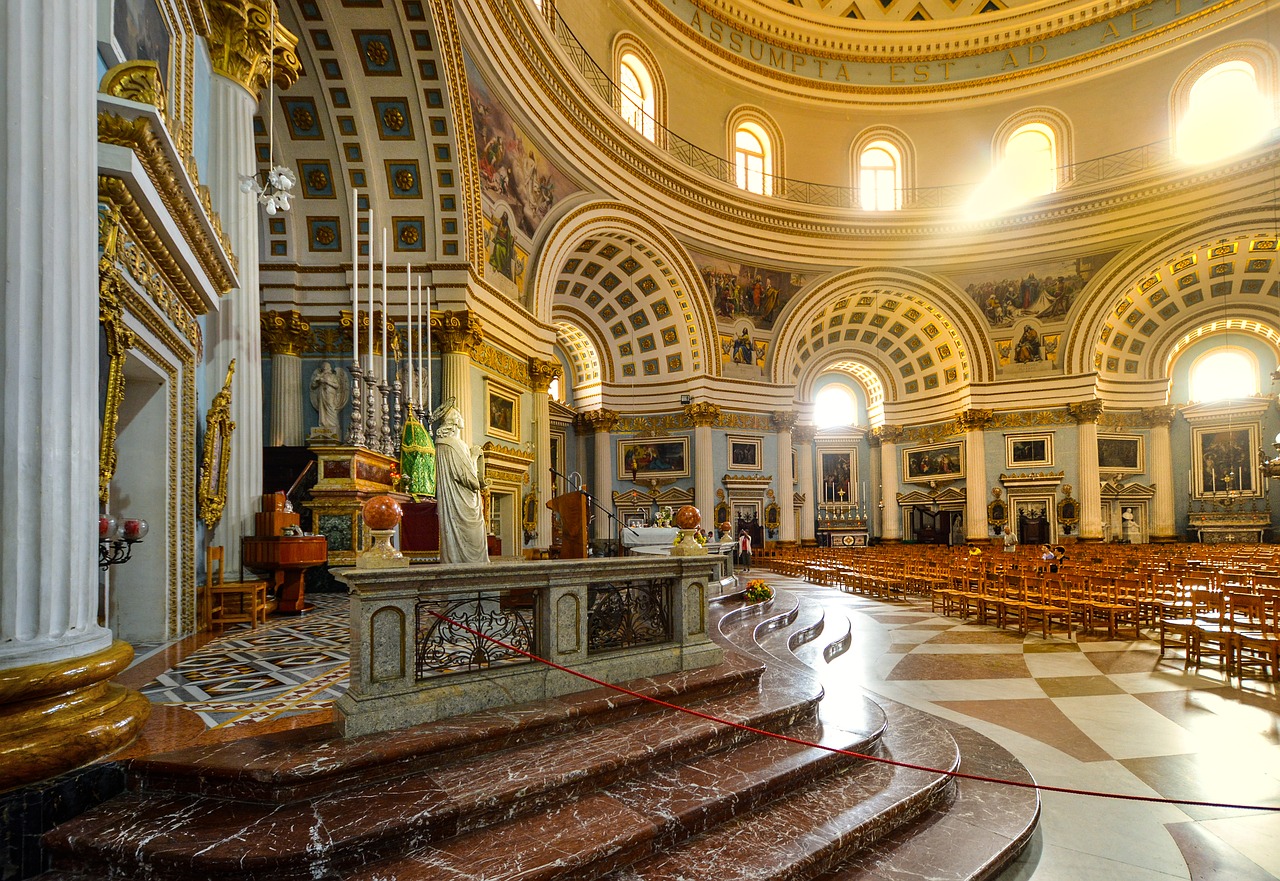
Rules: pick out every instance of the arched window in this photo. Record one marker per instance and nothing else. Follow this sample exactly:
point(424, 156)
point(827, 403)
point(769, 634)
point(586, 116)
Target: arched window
point(1225, 112)
point(751, 159)
point(1030, 158)
point(637, 98)
point(553, 389)
point(1032, 152)
point(1224, 374)
point(834, 406)
point(880, 177)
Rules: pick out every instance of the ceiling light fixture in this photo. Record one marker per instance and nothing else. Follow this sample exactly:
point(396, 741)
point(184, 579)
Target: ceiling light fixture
point(272, 185)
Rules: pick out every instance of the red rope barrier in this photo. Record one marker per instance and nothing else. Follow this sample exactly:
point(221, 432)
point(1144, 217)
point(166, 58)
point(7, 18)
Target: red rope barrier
point(959, 775)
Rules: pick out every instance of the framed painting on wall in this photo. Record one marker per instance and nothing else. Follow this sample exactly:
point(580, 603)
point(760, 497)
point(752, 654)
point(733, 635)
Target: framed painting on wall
point(934, 462)
point(653, 457)
point(745, 453)
point(502, 412)
point(1120, 454)
point(838, 475)
point(1225, 455)
point(1025, 450)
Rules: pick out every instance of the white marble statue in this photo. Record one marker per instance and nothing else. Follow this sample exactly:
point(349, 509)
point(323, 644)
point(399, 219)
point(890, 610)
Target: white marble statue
point(330, 391)
point(463, 537)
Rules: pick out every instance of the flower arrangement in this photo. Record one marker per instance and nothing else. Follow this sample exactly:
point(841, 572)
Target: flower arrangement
point(758, 591)
point(663, 517)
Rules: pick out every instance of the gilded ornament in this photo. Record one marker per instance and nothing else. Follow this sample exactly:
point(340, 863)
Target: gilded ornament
point(119, 338)
point(325, 235)
point(317, 179)
point(136, 81)
point(542, 373)
point(285, 333)
point(1085, 411)
point(393, 119)
point(243, 47)
point(600, 421)
point(404, 179)
point(408, 235)
point(302, 118)
point(457, 332)
point(217, 453)
point(377, 52)
point(782, 420)
point(702, 413)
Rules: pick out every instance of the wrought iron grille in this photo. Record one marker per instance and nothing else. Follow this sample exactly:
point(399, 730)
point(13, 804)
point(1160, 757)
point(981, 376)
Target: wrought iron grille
point(445, 646)
point(628, 614)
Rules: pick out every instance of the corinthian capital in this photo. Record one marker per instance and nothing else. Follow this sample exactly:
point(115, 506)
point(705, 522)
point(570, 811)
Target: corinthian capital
point(285, 333)
point(1158, 415)
point(783, 420)
point(598, 421)
point(702, 413)
point(1085, 411)
point(974, 420)
point(459, 331)
point(543, 373)
point(887, 434)
point(243, 47)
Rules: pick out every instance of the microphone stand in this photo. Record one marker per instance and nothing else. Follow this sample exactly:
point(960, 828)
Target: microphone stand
point(592, 500)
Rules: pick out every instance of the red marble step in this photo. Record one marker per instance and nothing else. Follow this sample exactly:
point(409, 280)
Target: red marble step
point(300, 764)
point(179, 834)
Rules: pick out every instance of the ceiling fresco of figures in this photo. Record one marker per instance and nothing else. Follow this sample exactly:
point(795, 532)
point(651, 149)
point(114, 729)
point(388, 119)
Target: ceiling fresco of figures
point(1208, 284)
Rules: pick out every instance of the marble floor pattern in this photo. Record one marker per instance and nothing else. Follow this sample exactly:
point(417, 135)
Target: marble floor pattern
point(1089, 714)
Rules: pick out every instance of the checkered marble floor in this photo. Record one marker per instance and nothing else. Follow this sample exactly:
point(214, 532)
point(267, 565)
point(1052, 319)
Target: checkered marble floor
point(291, 666)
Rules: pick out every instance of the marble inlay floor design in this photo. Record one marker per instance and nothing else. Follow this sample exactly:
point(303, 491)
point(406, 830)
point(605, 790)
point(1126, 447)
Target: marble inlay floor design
point(1087, 713)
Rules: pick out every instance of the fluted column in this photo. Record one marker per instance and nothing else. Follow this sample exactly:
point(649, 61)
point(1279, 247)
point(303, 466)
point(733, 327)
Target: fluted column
point(56, 709)
point(783, 422)
point(240, 47)
point(703, 416)
point(891, 519)
point(802, 436)
point(974, 423)
point(541, 375)
point(457, 335)
point(286, 335)
point(1162, 518)
point(601, 422)
point(1086, 414)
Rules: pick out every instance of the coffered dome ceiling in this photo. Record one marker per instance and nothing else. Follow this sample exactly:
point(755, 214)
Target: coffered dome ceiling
point(897, 10)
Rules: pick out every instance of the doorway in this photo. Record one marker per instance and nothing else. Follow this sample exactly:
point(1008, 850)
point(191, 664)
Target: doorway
point(926, 526)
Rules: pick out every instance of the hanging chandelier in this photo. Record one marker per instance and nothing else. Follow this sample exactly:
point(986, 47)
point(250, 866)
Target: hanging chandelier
point(272, 185)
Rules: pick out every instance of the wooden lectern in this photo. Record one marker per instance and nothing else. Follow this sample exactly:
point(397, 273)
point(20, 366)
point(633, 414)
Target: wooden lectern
point(285, 558)
point(569, 526)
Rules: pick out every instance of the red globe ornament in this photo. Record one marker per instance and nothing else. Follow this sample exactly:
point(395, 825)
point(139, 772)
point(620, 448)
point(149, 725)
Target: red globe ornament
point(382, 512)
point(687, 517)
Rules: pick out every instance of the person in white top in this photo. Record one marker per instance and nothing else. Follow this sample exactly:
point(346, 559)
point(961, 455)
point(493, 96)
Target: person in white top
point(744, 551)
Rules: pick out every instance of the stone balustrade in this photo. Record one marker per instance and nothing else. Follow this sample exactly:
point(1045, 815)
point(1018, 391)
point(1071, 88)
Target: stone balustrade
point(417, 654)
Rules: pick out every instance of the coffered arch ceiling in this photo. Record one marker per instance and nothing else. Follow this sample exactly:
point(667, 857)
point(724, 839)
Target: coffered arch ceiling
point(915, 336)
point(373, 110)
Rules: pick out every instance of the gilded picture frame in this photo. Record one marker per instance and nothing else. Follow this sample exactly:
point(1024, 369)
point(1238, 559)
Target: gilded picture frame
point(215, 465)
point(660, 457)
point(1227, 457)
point(1121, 454)
point(1025, 450)
point(935, 462)
point(502, 412)
point(745, 453)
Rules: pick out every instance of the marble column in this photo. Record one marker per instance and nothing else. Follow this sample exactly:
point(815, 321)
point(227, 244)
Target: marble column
point(1086, 414)
point(286, 335)
point(802, 437)
point(457, 335)
point(1162, 528)
point(974, 423)
point(704, 416)
point(241, 45)
point(783, 422)
point(541, 375)
point(601, 422)
point(891, 517)
point(57, 710)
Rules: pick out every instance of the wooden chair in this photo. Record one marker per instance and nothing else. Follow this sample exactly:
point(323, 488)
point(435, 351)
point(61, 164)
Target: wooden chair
point(1256, 633)
point(231, 602)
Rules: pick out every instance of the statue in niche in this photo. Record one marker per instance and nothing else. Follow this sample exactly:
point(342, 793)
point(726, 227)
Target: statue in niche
point(330, 391)
point(463, 536)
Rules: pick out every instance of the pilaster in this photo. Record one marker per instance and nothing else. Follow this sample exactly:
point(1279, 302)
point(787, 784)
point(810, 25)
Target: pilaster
point(783, 422)
point(802, 437)
point(1086, 414)
point(890, 514)
point(601, 422)
point(541, 375)
point(974, 423)
point(286, 335)
point(704, 416)
point(457, 335)
point(1161, 470)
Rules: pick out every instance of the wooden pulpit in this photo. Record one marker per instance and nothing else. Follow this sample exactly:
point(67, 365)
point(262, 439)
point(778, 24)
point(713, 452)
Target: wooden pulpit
point(569, 525)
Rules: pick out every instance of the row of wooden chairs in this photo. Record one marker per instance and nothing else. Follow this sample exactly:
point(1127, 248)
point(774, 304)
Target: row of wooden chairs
point(1240, 631)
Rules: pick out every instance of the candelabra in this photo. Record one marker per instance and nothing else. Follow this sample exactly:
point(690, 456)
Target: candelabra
point(116, 539)
point(371, 429)
point(397, 426)
point(355, 431)
point(386, 446)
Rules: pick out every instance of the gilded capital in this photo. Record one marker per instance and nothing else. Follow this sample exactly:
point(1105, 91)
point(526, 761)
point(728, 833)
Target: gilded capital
point(543, 373)
point(1085, 411)
point(974, 420)
point(600, 421)
point(1158, 415)
point(136, 81)
point(285, 333)
point(802, 434)
point(702, 413)
point(887, 434)
point(457, 332)
point(242, 44)
point(783, 420)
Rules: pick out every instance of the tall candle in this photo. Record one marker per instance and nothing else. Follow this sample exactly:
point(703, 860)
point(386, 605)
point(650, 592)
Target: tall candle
point(408, 307)
point(355, 275)
point(384, 304)
point(422, 399)
point(427, 349)
point(371, 287)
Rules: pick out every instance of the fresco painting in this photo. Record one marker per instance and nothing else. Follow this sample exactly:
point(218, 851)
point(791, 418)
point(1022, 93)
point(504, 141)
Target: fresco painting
point(740, 290)
point(1044, 291)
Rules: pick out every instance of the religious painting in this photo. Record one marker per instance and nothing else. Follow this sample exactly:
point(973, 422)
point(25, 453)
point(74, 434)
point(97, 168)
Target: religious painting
point(1028, 347)
point(934, 462)
point(837, 471)
point(513, 171)
point(502, 409)
point(1024, 450)
point(1226, 460)
point(1120, 454)
point(1044, 290)
point(741, 290)
point(745, 454)
point(141, 33)
point(742, 348)
point(503, 252)
point(653, 457)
